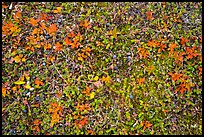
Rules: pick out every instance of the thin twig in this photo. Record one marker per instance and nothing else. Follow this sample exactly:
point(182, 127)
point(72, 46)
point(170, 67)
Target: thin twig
point(59, 73)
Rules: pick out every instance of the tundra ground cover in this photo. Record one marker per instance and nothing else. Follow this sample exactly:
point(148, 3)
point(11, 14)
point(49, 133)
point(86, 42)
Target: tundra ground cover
point(101, 68)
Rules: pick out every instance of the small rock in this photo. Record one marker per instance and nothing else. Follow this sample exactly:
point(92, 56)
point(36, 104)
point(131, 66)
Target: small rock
point(59, 20)
point(114, 56)
point(115, 68)
point(37, 98)
point(47, 37)
point(13, 132)
point(131, 96)
point(24, 110)
point(28, 94)
point(118, 80)
point(129, 57)
point(44, 63)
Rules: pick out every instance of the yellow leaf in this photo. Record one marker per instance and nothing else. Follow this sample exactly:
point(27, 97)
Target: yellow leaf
point(103, 79)
point(13, 53)
point(92, 95)
point(52, 59)
point(114, 32)
point(96, 78)
point(55, 11)
point(14, 88)
point(22, 78)
point(27, 86)
point(27, 77)
point(80, 58)
point(59, 9)
point(108, 79)
point(23, 59)
point(3, 91)
point(13, 29)
point(37, 46)
point(19, 82)
point(17, 59)
point(18, 30)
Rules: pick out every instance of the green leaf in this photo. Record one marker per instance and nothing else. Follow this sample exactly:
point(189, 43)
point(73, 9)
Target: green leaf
point(127, 114)
point(88, 12)
point(107, 46)
point(141, 116)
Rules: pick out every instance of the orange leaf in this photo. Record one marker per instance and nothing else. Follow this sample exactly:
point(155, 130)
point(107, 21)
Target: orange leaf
point(75, 44)
point(183, 41)
point(58, 94)
point(37, 122)
point(4, 6)
point(78, 37)
point(17, 16)
point(71, 34)
point(47, 46)
point(162, 46)
point(38, 82)
point(85, 24)
point(87, 91)
point(33, 21)
point(200, 39)
point(36, 128)
point(175, 76)
point(14, 88)
point(43, 17)
point(141, 81)
point(149, 15)
point(142, 52)
point(58, 47)
point(165, 111)
point(67, 41)
point(172, 46)
point(55, 118)
point(35, 31)
point(148, 125)
point(98, 43)
point(3, 91)
point(200, 71)
point(52, 29)
point(83, 121)
point(153, 43)
point(43, 26)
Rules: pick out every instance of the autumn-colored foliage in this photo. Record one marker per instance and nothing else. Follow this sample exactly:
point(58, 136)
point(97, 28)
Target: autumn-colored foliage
point(149, 15)
point(101, 68)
